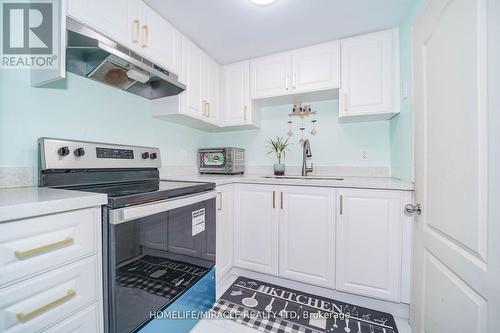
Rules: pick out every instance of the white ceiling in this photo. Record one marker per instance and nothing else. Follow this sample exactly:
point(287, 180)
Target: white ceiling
point(233, 30)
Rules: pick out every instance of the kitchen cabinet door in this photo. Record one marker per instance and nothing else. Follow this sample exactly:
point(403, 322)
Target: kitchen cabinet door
point(192, 64)
point(316, 68)
point(307, 235)
point(210, 87)
point(368, 253)
point(117, 19)
point(270, 76)
point(224, 227)
point(159, 40)
point(370, 74)
point(236, 94)
point(256, 228)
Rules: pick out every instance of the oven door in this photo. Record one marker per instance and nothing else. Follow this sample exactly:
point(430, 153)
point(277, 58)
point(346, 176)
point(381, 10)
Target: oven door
point(155, 252)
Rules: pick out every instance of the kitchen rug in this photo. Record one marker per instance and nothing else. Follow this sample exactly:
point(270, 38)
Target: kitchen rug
point(271, 308)
point(158, 276)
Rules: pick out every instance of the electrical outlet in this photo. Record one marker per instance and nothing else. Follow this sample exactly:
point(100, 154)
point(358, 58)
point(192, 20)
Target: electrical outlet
point(364, 154)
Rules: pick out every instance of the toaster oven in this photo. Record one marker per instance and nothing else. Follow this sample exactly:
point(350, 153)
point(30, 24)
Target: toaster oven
point(228, 160)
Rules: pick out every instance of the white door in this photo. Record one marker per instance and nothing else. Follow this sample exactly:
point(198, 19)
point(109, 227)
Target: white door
point(224, 234)
point(256, 228)
point(236, 93)
point(369, 68)
point(369, 232)
point(316, 68)
point(270, 76)
point(117, 19)
point(307, 235)
point(457, 246)
point(192, 63)
point(160, 41)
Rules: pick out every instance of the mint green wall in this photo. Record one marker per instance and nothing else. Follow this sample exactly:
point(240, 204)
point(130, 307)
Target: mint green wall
point(401, 126)
point(82, 109)
point(335, 144)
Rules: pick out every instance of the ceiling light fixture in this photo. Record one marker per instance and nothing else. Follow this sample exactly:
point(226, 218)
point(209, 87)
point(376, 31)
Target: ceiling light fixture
point(263, 2)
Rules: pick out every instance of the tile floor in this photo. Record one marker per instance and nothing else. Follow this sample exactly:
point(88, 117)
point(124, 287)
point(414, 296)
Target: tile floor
point(229, 326)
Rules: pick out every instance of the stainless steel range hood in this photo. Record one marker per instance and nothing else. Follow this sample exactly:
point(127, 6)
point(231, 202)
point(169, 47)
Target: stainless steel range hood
point(95, 56)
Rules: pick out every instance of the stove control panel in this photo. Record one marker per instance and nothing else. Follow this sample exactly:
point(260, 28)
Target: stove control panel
point(69, 154)
point(114, 153)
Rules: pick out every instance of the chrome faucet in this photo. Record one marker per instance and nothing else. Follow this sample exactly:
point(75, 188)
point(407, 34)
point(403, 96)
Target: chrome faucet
point(306, 154)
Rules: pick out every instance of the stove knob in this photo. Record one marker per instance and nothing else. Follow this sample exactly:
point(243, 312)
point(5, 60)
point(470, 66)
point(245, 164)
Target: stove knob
point(145, 155)
point(63, 151)
point(79, 152)
point(153, 156)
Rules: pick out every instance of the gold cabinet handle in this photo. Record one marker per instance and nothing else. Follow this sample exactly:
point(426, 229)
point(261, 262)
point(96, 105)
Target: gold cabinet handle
point(220, 200)
point(43, 248)
point(135, 31)
point(245, 113)
point(287, 80)
point(274, 199)
point(145, 35)
point(24, 317)
point(345, 102)
point(205, 103)
point(294, 80)
point(208, 110)
point(341, 202)
point(281, 200)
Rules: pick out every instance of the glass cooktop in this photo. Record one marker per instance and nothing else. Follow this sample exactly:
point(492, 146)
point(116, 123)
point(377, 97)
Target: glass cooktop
point(135, 193)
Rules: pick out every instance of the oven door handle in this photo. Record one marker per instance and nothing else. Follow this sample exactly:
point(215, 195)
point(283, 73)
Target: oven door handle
point(117, 216)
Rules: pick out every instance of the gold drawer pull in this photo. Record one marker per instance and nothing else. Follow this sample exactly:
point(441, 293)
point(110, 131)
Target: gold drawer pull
point(43, 248)
point(24, 317)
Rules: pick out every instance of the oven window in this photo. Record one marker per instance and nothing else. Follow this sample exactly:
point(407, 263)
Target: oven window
point(153, 260)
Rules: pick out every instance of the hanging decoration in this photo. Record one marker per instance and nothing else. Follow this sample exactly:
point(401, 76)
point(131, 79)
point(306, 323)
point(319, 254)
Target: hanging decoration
point(302, 111)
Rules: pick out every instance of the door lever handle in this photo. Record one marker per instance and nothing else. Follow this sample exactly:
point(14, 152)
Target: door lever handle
point(413, 209)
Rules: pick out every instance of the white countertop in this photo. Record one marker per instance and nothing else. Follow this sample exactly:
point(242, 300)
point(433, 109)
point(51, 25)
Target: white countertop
point(348, 182)
point(25, 202)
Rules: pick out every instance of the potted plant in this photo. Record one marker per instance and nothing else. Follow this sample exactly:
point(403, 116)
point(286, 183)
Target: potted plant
point(279, 147)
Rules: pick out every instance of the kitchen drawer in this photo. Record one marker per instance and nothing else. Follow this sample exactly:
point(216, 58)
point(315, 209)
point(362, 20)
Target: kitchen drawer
point(35, 245)
point(86, 321)
point(34, 304)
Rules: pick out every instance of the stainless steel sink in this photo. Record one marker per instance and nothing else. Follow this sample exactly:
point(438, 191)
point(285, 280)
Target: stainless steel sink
point(306, 177)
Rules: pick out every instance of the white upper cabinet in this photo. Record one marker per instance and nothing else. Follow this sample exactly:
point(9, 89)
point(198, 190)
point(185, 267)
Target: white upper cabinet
point(117, 19)
point(316, 68)
point(303, 70)
point(370, 75)
point(307, 235)
point(236, 94)
point(369, 250)
point(210, 89)
point(192, 64)
point(270, 76)
point(159, 40)
point(134, 24)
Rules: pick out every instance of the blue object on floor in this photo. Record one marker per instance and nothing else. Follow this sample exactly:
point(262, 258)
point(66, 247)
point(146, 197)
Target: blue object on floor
point(197, 299)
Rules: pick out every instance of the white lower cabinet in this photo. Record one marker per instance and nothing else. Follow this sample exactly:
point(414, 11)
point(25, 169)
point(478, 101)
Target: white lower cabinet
point(33, 305)
point(256, 228)
point(344, 239)
point(51, 273)
point(307, 235)
point(369, 233)
point(224, 231)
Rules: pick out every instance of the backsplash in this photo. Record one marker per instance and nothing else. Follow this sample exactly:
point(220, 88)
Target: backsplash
point(336, 143)
point(85, 110)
